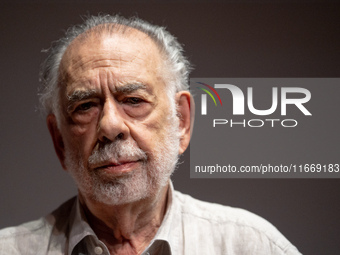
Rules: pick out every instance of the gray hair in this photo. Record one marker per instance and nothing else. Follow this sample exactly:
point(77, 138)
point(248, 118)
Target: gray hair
point(177, 65)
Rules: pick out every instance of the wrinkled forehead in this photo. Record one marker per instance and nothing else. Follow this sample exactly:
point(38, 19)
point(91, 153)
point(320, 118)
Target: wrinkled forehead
point(120, 44)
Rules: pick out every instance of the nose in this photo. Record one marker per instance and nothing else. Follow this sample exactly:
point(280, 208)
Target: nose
point(112, 125)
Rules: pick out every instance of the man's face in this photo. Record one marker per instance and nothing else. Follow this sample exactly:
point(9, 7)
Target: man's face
point(119, 131)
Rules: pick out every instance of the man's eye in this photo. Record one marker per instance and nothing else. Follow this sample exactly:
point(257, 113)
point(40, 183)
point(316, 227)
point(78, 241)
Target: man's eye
point(85, 106)
point(133, 100)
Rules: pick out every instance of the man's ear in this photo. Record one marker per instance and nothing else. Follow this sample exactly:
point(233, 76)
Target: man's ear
point(56, 138)
point(185, 111)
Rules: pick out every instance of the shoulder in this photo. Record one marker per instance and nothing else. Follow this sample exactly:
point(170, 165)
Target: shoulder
point(220, 214)
point(14, 240)
point(33, 237)
point(232, 227)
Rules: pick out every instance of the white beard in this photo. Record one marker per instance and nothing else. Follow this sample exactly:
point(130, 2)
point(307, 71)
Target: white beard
point(153, 174)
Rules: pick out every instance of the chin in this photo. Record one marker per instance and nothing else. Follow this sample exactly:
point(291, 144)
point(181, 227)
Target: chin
point(143, 183)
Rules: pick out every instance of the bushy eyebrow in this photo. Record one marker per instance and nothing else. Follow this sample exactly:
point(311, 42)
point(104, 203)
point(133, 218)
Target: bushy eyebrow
point(131, 87)
point(80, 95)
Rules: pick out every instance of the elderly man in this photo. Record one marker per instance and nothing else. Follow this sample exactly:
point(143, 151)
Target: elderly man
point(119, 114)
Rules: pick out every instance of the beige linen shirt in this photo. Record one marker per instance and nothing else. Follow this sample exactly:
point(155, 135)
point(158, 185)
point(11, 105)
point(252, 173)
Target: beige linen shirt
point(190, 227)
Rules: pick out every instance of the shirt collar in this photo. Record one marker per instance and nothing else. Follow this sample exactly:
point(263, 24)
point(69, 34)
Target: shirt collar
point(164, 236)
point(79, 227)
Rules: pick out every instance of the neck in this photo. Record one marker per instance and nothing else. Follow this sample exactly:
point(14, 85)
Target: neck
point(126, 228)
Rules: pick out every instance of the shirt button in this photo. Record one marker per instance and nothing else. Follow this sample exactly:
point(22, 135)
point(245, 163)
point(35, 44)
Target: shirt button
point(98, 250)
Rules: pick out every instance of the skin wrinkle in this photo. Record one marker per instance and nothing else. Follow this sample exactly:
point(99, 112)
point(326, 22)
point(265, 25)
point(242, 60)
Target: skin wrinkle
point(82, 65)
point(78, 80)
point(74, 56)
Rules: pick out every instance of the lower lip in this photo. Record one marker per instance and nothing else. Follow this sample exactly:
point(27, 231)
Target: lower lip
point(119, 169)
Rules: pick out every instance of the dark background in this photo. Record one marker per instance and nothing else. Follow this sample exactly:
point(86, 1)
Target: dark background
point(221, 40)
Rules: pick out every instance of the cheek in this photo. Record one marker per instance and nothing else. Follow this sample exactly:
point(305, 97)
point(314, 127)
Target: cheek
point(85, 118)
point(150, 132)
point(82, 137)
point(81, 124)
point(79, 130)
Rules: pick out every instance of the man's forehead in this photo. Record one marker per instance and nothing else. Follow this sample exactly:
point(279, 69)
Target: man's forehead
point(101, 36)
point(119, 87)
point(127, 54)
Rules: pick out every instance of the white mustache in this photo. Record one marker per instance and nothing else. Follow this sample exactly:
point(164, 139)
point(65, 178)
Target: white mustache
point(116, 151)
